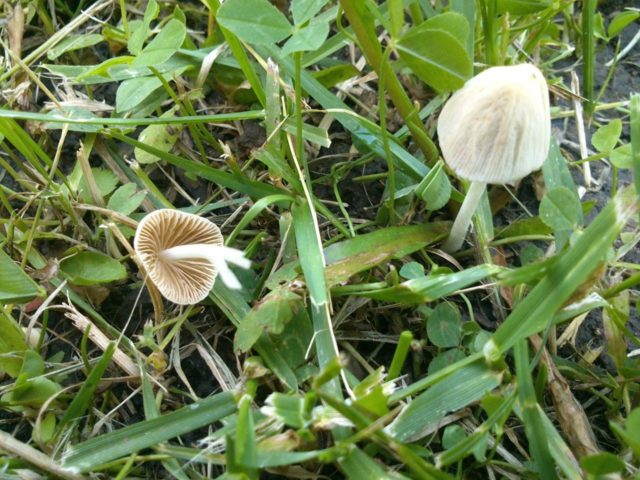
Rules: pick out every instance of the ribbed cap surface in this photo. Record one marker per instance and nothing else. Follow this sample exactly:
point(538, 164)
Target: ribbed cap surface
point(496, 129)
point(184, 282)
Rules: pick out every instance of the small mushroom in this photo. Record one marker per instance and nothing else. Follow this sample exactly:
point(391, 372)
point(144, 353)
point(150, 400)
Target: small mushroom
point(495, 129)
point(183, 253)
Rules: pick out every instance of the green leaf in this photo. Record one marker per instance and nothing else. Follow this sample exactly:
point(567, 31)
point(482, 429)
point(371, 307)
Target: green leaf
point(453, 23)
point(606, 137)
point(524, 226)
point(162, 137)
point(555, 171)
point(603, 463)
point(140, 31)
point(254, 21)
point(452, 435)
point(12, 345)
point(308, 38)
point(91, 268)
point(31, 388)
point(106, 182)
point(621, 156)
point(435, 54)
point(109, 446)
point(271, 315)
point(363, 252)
point(523, 7)
point(288, 408)
point(445, 358)
point(435, 188)
point(134, 91)
point(461, 388)
point(15, 285)
point(303, 10)
point(310, 253)
point(621, 21)
point(393, 242)
point(125, 200)
point(163, 46)
point(73, 42)
point(412, 270)
point(444, 326)
point(559, 209)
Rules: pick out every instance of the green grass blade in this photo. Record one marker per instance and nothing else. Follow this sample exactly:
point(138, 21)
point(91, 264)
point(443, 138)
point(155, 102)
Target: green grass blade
point(533, 425)
point(358, 465)
point(588, 53)
point(82, 400)
point(133, 122)
point(463, 387)
point(366, 132)
point(571, 270)
point(465, 447)
point(428, 288)
point(104, 448)
point(312, 263)
point(254, 211)
point(235, 308)
point(240, 184)
point(635, 139)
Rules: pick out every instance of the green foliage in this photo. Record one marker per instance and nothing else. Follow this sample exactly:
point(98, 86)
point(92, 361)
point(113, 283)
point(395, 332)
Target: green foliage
point(125, 199)
point(31, 388)
point(74, 42)
point(523, 7)
point(15, 284)
point(559, 209)
point(356, 347)
point(607, 136)
point(91, 268)
point(435, 188)
point(444, 326)
point(435, 51)
point(12, 346)
point(265, 23)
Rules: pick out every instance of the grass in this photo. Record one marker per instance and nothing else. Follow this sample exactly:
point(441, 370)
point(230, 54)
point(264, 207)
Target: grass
point(357, 347)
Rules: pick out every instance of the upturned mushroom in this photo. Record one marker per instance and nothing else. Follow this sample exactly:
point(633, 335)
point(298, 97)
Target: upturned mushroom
point(183, 254)
point(495, 129)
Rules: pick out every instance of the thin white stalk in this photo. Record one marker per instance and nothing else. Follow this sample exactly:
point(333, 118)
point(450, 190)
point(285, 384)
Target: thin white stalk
point(461, 224)
point(218, 256)
point(582, 137)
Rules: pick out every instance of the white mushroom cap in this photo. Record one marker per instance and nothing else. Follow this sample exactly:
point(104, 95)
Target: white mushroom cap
point(183, 281)
point(496, 128)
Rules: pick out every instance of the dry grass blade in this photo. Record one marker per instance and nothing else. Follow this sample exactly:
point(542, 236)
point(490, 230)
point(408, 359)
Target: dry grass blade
point(571, 416)
point(82, 323)
point(35, 457)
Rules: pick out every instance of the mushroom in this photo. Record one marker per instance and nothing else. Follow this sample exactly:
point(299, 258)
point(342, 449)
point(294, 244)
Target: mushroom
point(183, 253)
point(495, 129)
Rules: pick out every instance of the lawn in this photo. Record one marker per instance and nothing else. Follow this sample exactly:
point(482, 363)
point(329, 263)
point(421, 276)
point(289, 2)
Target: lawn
point(320, 239)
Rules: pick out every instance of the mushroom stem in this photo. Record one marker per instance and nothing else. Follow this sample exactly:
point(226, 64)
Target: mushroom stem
point(462, 221)
point(218, 256)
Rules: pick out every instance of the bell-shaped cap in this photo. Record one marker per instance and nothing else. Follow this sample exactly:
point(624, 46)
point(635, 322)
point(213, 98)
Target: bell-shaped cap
point(496, 128)
point(182, 281)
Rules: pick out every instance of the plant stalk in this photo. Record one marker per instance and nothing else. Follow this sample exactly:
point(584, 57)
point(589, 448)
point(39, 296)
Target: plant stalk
point(364, 28)
point(463, 220)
